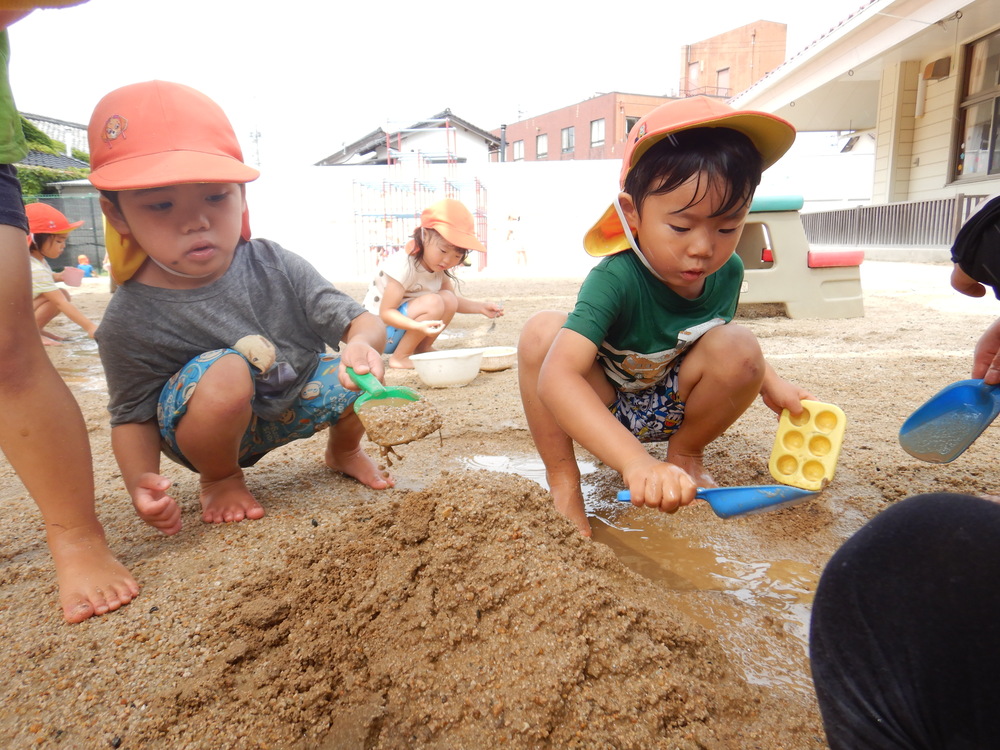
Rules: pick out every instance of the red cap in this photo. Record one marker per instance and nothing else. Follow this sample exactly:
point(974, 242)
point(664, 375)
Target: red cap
point(44, 219)
point(158, 133)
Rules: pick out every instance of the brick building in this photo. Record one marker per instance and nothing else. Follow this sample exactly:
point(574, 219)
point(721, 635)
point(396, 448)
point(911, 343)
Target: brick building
point(729, 63)
point(592, 129)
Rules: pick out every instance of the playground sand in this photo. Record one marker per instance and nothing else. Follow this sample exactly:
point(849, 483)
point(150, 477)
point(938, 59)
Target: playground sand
point(458, 610)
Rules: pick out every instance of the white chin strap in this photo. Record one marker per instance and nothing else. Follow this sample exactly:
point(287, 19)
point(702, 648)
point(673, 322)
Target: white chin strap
point(178, 273)
point(631, 239)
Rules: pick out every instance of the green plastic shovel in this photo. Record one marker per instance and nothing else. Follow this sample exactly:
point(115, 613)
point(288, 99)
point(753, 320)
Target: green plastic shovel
point(381, 395)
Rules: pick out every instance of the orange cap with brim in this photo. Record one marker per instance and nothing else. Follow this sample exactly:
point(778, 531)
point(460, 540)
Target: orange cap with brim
point(158, 133)
point(453, 221)
point(771, 135)
point(44, 219)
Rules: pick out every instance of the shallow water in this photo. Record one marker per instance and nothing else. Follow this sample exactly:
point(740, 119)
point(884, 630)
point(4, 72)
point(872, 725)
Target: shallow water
point(651, 547)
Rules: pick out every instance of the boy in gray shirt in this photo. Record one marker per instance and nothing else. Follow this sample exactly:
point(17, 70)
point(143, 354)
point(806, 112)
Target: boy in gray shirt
point(214, 344)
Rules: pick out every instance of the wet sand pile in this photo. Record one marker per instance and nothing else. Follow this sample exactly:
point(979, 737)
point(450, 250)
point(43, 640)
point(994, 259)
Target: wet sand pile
point(458, 610)
point(465, 615)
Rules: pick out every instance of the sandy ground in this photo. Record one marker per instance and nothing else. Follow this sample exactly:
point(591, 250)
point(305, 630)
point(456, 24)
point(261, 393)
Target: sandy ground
point(458, 610)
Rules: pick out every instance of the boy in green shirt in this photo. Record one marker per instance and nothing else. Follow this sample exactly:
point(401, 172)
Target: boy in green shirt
point(649, 353)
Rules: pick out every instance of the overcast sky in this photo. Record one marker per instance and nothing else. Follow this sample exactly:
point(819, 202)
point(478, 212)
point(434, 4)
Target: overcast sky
point(310, 75)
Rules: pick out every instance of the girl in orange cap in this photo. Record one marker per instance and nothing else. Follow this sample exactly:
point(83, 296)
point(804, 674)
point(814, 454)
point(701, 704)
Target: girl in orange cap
point(49, 231)
point(414, 292)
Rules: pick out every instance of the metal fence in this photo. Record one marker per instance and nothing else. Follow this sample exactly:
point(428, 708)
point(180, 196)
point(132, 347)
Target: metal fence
point(932, 223)
point(88, 239)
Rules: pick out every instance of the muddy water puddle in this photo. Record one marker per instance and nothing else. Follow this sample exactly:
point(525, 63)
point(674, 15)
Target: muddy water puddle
point(81, 367)
point(728, 596)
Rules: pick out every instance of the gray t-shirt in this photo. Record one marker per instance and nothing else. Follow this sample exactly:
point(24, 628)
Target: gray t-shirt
point(147, 333)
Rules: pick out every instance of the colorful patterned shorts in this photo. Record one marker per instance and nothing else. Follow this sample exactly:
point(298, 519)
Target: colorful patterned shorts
point(320, 403)
point(394, 335)
point(652, 415)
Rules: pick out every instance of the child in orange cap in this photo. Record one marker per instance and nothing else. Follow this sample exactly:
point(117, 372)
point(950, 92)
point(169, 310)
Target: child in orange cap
point(42, 432)
point(214, 344)
point(649, 352)
point(49, 231)
point(414, 292)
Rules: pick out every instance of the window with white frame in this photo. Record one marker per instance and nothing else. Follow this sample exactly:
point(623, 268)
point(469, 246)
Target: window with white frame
point(541, 146)
point(979, 112)
point(568, 139)
point(518, 150)
point(597, 132)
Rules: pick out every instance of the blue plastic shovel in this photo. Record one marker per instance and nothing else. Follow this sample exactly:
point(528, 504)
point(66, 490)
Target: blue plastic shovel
point(950, 421)
point(727, 502)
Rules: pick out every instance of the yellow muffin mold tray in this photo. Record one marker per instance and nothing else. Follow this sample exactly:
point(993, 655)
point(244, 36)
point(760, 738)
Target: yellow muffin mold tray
point(806, 447)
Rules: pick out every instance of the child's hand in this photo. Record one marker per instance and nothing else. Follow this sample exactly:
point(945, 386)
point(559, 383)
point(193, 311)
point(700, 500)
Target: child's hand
point(655, 484)
point(430, 327)
point(361, 358)
point(779, 394)
point(154, 505)
point(493, 309)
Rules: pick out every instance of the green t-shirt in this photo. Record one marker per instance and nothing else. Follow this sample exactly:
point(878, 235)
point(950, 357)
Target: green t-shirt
point(12, 144)
point(640, 325)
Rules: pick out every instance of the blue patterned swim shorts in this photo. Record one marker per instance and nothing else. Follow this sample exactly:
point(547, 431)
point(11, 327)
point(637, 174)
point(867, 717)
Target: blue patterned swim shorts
point(652, 415)
point(320, 403)
point(394, 335)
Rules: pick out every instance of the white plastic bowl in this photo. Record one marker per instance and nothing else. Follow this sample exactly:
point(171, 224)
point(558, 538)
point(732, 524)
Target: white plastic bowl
point(496, 358)
point(451, 367)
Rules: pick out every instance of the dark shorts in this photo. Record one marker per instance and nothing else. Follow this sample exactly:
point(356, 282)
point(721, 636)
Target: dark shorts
point(652, 415)
point(11, 202)
point(320, 403)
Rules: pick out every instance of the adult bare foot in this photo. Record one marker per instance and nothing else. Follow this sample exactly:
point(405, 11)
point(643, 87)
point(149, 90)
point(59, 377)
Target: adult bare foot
point(228, 500)
point(91, 581)
point(358, 465)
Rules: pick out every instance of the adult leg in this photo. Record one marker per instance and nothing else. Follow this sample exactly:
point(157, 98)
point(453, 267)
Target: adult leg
point(718, 380)
point(44, 437)
point(209, 435)
point(905, 629)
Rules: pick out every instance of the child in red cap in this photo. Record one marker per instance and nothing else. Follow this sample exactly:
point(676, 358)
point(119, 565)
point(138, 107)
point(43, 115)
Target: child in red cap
point(214, 344)
point(49, 231)
point(42, 432)
point(414, 292)
point(649, 352)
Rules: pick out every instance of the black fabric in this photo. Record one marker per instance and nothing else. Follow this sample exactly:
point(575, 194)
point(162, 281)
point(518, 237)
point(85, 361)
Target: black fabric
point(977, 248)
point(905, 631)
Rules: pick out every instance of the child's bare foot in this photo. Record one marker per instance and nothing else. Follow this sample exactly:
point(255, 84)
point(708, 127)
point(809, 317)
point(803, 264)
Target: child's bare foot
point(568, 500)
point(695, 468)
point(400, 363)
point(52, 336)
point(91, 581)
point(359, 465)
point(49, 342)
point(228, 500)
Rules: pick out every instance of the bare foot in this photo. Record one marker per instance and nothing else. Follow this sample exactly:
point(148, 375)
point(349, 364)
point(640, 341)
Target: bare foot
point(49, 342)
point(568, 500)
point(91, 581)
point(228, 500)
point(50, 335)
point(400, 363)
point(359, 465)
point(694, 467)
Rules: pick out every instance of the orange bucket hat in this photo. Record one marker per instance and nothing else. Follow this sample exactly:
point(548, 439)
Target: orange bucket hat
point(453, 221)
point(44, 219)
point(771, 135)
point(157, 133)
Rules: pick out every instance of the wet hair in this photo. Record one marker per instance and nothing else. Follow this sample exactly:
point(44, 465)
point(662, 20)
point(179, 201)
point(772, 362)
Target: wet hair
point(418, 248)
point(721, 156)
